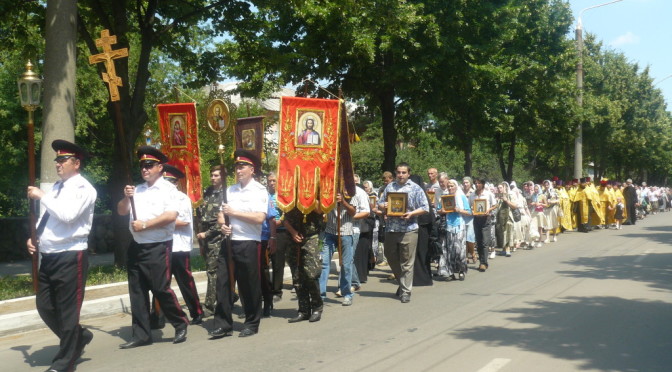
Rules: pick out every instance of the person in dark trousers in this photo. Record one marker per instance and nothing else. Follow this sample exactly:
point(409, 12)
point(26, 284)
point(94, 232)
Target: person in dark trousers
point(148, 262)
point(246, 208)
point(63, 233)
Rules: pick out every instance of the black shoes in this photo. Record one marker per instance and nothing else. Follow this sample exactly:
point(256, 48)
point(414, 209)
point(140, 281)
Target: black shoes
point(268, 308)
point(246, 332)
point(219, 333)
point(135, 343)
point(315, 316)
point(198, 319)
point(405, 298)
point(299, 318)
point(85, 338)
point(180, 335)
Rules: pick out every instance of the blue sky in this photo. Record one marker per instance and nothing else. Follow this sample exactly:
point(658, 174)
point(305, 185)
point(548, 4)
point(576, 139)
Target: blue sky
point(640, 29)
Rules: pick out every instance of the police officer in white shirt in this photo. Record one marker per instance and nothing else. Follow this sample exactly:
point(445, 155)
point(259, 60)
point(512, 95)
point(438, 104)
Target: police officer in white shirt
point(63, 233)
point(156, 203)
point(183, 239)
point(246, 208)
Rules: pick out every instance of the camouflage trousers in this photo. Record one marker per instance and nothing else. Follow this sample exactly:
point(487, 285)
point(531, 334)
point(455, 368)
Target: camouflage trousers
point(305, 262)
point(211, 254)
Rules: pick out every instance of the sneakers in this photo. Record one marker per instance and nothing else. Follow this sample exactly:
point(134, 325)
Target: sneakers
point(538, 244)
point(405, 298)
point(507, 253)
point(555, 238)
point(493, 254)
point(546, 241)
point(338, 293)
point(347, 301)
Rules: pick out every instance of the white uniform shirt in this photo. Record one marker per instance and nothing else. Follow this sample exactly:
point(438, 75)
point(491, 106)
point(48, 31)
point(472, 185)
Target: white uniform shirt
point(183, 237)
point(151, 202)
point(70, 216)
point(362, 205)
point(252, 198)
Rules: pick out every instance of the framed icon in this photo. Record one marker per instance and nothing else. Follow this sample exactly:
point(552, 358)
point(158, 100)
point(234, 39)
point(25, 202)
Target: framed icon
point(309, 125)
point(178, 124)
point(397, 203)
point(448, 203)
point(480, 207)
point(373, 199)
point(431, 194)
point(218, 116)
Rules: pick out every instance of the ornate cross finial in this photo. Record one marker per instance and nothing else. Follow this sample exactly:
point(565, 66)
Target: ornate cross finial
point(108, 56)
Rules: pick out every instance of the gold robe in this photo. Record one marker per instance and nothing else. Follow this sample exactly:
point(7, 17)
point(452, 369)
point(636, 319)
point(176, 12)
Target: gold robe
point(566, 208)
point(606, 202)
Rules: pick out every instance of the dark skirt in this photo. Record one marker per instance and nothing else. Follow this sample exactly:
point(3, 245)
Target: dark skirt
point(362, 255)
point(422, 272)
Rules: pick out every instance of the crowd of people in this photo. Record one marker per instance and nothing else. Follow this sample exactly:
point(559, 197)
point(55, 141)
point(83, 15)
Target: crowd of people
point(427, 231)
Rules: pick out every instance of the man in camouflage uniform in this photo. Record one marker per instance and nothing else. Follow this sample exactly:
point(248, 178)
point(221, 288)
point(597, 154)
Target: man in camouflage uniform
point(305, 260)
point(210, 237)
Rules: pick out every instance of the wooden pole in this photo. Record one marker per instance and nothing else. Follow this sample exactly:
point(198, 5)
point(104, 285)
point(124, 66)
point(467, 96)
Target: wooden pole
point(33, 205)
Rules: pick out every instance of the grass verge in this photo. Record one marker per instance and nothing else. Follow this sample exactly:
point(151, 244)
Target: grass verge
point(22, 285)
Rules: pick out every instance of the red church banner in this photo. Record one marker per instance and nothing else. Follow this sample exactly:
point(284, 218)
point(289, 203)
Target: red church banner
point(179, 138)
point(308, 153)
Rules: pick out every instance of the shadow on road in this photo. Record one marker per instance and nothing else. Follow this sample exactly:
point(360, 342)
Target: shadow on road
point(601, 333)
point(625, 268)
point(658, 234)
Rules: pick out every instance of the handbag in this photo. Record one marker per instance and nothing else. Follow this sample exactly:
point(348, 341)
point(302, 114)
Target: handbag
point(516, 214)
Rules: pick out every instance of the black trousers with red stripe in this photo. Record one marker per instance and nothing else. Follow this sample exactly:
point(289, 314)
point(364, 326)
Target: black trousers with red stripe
point(181, 267)
point(149, 270)
point(61, 283)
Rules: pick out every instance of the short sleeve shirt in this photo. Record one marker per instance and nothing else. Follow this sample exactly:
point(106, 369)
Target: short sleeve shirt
point(151, 202)
point(251, 198)
point(416, 199)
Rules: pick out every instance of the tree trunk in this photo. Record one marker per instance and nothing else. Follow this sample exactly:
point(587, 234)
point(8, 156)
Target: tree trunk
point(468, 150)
point(500, 154)
point(387, 110)
point(511, 158)
point(59, 82)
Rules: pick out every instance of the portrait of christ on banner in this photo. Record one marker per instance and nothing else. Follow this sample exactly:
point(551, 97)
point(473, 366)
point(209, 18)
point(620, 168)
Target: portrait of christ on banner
point(178, 137)
point(309, 128)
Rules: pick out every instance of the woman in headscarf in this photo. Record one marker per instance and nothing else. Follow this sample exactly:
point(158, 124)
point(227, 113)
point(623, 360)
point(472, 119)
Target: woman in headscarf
point(551, 212)
point(468, 189)
point(504, 225)
point(453, 259)
point(521, 229)
point(539, 221)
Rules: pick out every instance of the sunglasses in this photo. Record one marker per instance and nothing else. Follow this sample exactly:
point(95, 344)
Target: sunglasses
point(148, 165)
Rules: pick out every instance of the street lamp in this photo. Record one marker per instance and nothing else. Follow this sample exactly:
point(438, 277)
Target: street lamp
point(30, 92)
point(578, 141)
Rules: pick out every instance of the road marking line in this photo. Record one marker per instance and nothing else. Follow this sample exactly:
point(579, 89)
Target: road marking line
point(642, 256)
point(495, 365)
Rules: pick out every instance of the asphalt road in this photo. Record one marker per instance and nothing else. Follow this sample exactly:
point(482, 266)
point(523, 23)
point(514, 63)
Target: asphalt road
point(600, 301)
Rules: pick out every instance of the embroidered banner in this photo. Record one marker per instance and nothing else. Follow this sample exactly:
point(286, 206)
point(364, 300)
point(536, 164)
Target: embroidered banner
point(250, 135)
point(308, 153)
point(179, 138)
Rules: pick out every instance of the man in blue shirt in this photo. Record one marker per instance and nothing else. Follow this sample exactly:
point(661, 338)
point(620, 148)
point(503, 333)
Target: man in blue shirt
point(401, 232)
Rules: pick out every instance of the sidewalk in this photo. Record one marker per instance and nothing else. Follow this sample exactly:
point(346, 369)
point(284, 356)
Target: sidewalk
point(20, 315)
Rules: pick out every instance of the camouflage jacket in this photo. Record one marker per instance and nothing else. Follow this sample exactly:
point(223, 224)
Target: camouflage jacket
point(314, 222)
point(208, 211)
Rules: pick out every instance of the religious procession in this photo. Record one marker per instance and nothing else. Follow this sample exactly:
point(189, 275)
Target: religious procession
point(306, 212)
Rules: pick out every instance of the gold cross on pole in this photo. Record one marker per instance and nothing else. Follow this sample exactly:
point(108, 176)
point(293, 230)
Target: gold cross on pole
point(108, 56)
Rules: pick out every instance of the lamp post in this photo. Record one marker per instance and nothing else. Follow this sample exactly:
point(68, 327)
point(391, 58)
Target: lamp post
point(30, 91)
point(578, 140)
